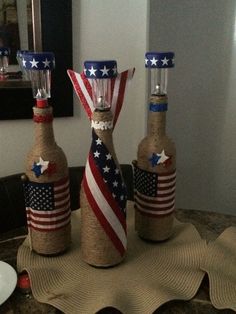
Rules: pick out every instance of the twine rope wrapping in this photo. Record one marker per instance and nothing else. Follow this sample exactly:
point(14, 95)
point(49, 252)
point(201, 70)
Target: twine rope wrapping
point(151, 274)
point(103, 220)
point(155, 227)
point(57, 240)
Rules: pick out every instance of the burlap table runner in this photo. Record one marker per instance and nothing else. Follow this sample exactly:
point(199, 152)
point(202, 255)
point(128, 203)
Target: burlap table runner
point(150, 275)
point(220, 264)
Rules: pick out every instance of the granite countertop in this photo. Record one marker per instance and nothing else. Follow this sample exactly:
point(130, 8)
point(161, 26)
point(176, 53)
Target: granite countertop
point(208, 224)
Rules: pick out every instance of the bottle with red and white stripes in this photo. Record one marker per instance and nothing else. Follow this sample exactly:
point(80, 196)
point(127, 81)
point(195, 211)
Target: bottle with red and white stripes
point(155, 168)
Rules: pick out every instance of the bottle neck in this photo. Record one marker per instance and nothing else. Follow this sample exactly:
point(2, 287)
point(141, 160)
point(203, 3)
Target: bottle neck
point(44, 135)
point(157, 115)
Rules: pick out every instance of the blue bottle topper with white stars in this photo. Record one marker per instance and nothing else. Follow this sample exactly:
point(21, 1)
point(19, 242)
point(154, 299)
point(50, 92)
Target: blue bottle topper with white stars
point(159, 60)
point(101, 74)
point(38, 60)
point(4, 52)
point(100, 69)
point(158, 63)
point(38, 65)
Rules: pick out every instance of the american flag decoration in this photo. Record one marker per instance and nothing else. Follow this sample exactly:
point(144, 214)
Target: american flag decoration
point(83, 88)
point(154, 192)
point(155, 168)
point(105, 192)
point(47, 205)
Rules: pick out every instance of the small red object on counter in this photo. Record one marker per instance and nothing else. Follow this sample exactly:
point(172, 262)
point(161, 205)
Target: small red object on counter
point(23, 283)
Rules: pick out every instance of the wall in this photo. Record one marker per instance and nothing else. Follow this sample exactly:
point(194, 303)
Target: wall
point(101, 29)
point(202, 95)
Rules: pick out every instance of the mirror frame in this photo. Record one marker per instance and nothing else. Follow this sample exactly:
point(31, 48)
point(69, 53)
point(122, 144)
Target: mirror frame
point(52, 31)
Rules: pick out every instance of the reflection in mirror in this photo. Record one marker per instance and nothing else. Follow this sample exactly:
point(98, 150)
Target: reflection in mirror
point(36, 25)
point(15, 33)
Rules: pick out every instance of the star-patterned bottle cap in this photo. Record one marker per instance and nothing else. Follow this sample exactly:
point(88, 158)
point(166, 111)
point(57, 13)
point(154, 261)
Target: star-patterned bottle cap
point(38, 61)
point(100, 69)
point(20, 53)
point(4, 51)
point(159, 60)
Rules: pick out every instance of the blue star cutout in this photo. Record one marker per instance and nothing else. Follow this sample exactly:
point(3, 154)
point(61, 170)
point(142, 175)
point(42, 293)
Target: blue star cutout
point(36, 169)
point(154, 159)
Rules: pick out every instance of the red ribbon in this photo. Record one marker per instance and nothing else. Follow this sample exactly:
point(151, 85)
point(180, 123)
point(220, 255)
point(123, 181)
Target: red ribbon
point(43, 119)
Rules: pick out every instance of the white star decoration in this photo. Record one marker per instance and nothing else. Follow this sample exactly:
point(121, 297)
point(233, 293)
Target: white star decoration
point(96, 154)
point(23, 62)
point(106, 169)
point(43, 164)
point(163, 158)
point(114, 70)
point(98, 141)
point(92, 71)
point(153, 61)
point(105, 71)
point(34, 63)
point(115, 184)
point(165, 61)
point(46, 63)
point(108, 156)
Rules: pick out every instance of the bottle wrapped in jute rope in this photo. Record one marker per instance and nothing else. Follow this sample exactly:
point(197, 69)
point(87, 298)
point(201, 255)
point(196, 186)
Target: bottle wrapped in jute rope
point(155, 168)
point(103, 244)
point(46, 180)
point(103, 192)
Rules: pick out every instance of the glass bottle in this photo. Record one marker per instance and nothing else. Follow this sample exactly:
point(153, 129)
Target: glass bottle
point(4, 62)
point(46, 180)
point(103, 193)
point(155, 168)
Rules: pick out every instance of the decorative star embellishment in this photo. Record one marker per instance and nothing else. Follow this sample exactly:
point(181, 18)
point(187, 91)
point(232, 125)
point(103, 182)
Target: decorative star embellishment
point(163, 157)
point(34, 63)
point(36, 169)
point(23, 62)
point(154, 61)
point(157, 159)
point(106, 169)
point(52, 168)
point(168, 162)
point(164, 61)
point(108, 156)
point(96, 154)
point(92, 71)
point(99, 141)
point(146, 61)
point(104, 71)
point(114, 70)
point(46, 63)
point(43, 164)
point(154, 159)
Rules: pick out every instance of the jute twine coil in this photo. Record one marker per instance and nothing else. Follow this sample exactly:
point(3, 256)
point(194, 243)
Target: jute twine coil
point(97, 249)
point(47, 242)
point(156, 228)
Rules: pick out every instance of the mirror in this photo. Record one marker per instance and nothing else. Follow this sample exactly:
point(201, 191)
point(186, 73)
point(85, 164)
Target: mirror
point(39, 25)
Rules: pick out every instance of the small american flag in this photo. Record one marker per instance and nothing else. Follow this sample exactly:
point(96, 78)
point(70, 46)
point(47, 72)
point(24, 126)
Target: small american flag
point(83, 89)
point(106, 193)
point(47, 205)
point(154, 192)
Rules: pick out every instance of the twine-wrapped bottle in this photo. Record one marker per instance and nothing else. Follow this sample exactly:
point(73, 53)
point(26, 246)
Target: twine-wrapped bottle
point(46, 181)
point(155, 168)
point(103, 192)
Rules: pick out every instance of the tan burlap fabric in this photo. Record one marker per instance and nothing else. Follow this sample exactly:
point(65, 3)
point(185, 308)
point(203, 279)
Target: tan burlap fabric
point(150, 275)
point(220, 264)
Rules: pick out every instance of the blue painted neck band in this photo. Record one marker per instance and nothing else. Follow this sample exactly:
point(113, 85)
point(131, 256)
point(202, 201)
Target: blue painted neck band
point(158, 107)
